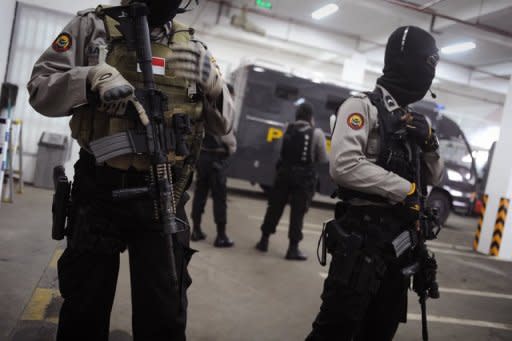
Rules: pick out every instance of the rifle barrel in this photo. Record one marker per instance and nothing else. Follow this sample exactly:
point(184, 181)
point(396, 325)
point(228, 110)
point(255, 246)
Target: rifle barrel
point(144, 51)
point(424, 322)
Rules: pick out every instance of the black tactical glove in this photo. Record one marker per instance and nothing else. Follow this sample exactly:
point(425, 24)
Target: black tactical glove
point(418, 128)
point(114, 91)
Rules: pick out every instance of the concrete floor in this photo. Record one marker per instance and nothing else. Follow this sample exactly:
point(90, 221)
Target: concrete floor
point(239, 294)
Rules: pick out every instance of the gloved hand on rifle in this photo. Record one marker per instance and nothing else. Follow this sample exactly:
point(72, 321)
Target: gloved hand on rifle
point(114, 91)
point(421, 132)
point(195, 63)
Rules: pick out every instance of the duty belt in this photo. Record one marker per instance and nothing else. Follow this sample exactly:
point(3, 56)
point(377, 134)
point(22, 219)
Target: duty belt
point(111, 179)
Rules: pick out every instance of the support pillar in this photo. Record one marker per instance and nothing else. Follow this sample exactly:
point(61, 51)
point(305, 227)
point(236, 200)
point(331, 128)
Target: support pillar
point(495, 234)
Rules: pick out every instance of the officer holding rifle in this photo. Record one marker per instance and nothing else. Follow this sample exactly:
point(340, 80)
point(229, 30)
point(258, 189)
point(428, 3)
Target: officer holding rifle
point(140, 97)
point(383, 156)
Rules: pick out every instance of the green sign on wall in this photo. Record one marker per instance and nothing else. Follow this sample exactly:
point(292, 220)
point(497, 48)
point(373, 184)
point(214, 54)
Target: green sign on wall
point(264, 4)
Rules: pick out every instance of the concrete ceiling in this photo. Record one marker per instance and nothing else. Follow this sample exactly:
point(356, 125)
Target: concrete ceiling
point(372, 20)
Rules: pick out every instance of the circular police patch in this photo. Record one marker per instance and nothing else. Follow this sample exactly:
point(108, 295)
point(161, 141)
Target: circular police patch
point(355, 121)
point(62, 43)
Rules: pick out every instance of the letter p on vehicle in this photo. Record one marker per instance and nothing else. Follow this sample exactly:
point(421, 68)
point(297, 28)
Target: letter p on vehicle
point(274, 134)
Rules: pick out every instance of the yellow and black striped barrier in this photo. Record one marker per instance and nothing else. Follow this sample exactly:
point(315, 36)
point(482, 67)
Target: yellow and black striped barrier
point(480, 222)
point(499, 226)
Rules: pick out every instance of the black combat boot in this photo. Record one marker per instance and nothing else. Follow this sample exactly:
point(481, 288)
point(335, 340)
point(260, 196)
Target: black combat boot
point(294, 253)
point(222, 239)
point(263, 243)
point(197, 234)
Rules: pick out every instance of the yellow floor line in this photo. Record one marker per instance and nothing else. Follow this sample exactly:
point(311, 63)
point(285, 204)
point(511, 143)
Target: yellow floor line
point(36, 308)
point(55, 258)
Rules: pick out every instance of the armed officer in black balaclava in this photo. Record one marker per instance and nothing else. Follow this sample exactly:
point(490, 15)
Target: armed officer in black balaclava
point(365, 293)
point(89, 73)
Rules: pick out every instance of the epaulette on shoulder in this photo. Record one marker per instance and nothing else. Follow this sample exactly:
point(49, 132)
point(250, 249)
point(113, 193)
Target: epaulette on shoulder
point(84, 12)
point(359, 95)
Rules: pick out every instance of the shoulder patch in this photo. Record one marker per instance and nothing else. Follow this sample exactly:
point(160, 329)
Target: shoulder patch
point(355, 121)
point(84, 12)
point(63, 42)
point(358, 94)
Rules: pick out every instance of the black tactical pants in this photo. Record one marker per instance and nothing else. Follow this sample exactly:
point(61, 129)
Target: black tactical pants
point(89, 266)
point(362, 314)
point(295, 185)
point(210, 176)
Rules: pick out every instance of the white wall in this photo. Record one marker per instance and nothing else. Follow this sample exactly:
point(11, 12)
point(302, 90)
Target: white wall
point(7, 10)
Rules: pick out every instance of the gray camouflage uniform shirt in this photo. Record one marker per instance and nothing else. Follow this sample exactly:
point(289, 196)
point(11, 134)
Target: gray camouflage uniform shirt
point(355, 147)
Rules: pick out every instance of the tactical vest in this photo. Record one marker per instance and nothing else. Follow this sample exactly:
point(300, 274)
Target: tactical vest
point(88, 125)
point(297, 144)
point(395, 153)
point(214, 144)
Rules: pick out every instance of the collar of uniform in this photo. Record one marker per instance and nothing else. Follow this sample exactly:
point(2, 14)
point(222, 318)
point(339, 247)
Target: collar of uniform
point(158, 34)
point(302, 123)
point(390, 103)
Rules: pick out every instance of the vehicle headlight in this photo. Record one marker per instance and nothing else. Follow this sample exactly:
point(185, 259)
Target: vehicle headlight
point(454, 176)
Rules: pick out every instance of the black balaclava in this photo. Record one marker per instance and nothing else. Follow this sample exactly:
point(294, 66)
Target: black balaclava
point(161, 11)
point(409, 64)
point(304, 112)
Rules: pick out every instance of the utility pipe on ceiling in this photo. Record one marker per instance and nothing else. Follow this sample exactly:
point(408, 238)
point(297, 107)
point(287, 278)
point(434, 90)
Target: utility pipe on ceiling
point(430, 4)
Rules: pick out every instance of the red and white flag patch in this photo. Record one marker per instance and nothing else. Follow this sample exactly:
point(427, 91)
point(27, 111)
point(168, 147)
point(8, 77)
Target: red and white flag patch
point(158, 66)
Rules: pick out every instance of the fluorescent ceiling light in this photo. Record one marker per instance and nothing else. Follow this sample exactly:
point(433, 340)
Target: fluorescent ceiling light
point(325, 11)
point(258, 69)
point(458, 48)
point(300, 101)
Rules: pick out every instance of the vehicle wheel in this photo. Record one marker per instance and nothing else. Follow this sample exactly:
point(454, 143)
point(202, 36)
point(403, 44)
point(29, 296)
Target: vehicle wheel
point(442, 202)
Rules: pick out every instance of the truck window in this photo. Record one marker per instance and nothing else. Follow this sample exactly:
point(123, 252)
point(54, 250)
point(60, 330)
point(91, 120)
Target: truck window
point(287, 92)
point(261, 97)
point(456, 152)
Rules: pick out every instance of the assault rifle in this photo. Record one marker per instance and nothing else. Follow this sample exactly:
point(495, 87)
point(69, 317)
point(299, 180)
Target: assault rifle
point(155, 139)
point(424, 268)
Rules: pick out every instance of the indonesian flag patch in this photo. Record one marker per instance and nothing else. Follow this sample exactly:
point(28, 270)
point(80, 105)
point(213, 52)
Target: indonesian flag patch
point(158, 66)
point(355, 121)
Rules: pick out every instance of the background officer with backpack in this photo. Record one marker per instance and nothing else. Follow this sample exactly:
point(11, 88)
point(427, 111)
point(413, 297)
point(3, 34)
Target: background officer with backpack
point(303, 148)
point(379, 147)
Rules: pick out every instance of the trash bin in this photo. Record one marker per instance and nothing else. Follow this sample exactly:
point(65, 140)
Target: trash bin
point(53, 150)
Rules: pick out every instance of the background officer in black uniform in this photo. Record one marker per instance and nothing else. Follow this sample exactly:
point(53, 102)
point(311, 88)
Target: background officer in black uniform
point(365, 293)
point(296, 179)
point(211, 175)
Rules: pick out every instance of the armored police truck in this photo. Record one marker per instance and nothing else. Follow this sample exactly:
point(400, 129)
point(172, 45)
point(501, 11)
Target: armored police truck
point(266, 100)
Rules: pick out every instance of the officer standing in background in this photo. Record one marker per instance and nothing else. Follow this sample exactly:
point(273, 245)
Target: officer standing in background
point(303, 147)
point(365, 293)
point(90, 74)
point(211, 175)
